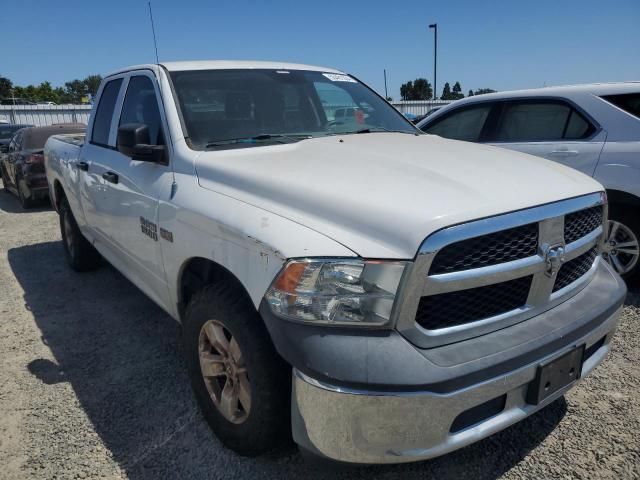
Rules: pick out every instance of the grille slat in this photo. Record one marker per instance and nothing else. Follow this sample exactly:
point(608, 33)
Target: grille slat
point(486, 250)
point(574, 269)
point(581, 223)
point(456, 308)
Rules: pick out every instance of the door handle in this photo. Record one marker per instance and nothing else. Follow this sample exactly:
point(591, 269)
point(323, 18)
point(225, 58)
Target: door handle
point(564, 153)
point(110, 177)
point(84, 166)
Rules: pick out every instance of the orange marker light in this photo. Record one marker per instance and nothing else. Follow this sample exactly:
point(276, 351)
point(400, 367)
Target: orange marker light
point(290, 278)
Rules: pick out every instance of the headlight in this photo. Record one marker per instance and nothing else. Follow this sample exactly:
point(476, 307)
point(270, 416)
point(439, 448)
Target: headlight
point(336, 292)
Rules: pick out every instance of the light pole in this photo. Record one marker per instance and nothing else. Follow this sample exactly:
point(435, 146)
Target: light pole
point(435, 59)
point(386, 94)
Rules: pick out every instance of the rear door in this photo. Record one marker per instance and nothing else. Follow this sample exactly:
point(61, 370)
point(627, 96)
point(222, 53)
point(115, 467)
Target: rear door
point(550, 128)
point(95, 155)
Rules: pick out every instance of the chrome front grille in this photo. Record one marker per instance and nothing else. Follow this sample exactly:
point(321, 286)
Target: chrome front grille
point(492, 249)
point(578, 224)
point(481, 276)
point(574, 269)
point(464, 306)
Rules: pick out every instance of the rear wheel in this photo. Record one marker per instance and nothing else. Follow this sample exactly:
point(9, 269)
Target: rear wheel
point(81, 255)
point(5, 182)
point(622, 249)
point(240, 382)
point(25, 201)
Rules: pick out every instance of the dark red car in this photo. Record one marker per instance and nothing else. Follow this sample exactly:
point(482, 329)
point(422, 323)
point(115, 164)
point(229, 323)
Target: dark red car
point(22, 161)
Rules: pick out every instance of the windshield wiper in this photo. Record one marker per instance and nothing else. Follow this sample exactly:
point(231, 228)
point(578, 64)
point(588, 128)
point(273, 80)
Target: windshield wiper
point(259, 138)
point(374, 130)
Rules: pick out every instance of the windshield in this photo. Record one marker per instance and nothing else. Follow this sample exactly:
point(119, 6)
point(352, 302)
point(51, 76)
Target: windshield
point(7, 131)
point(252, 107)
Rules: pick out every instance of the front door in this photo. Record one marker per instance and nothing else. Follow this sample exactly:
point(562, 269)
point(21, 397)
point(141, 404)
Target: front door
point(133, 189)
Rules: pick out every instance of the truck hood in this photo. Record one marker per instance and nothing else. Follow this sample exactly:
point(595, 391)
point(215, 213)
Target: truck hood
point(382, 194)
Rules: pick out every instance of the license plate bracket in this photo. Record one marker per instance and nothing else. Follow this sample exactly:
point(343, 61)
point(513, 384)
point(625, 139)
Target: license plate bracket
point(555, 375)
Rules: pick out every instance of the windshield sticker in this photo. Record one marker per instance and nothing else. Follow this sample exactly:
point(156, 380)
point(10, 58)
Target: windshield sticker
point(338, 77)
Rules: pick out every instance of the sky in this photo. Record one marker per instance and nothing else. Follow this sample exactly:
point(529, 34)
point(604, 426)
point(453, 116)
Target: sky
point(502, 45)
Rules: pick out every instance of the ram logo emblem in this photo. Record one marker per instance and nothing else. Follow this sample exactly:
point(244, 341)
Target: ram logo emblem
point(553, 259)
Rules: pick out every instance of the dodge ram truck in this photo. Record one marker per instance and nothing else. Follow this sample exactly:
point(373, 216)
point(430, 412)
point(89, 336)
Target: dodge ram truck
point(378, 294)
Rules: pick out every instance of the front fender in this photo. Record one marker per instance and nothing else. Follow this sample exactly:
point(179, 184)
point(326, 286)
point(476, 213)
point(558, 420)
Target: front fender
point(251, 243)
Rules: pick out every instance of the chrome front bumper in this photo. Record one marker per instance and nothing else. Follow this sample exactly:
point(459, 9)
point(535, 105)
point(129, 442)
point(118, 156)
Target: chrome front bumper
point(366, 427)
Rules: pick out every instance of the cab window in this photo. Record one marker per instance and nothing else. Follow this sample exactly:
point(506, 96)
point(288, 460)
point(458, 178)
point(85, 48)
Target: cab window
point(462, 124)
point(104, 113)
point(141, 106)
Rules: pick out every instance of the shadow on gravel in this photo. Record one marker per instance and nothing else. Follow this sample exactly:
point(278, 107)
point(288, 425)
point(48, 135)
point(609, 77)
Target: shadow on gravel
point(9, 203)
point(122, 356)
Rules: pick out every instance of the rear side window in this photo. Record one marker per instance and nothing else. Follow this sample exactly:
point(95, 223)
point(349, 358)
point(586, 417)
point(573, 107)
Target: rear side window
point(541, 121)
point(104, 113)
point(141, 106)
point(464, 124)
point(629, 102)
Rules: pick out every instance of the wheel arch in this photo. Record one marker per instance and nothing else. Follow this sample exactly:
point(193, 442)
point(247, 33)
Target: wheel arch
point(621, 198)
point(58, 194)
point(197, 272)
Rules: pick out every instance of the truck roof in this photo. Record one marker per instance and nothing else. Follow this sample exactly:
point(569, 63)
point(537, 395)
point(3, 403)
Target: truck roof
point(225, 65)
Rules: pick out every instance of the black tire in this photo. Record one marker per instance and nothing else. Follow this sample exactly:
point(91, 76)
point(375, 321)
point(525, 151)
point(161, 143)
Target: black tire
point(5, 182)
point(25, 202)
point(267, 424)
point(630, 218)
point(81, 255)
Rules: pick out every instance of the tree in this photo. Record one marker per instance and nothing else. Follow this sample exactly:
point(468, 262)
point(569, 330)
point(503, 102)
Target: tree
point(422, 89)
point(419, 89)
point(75, 90)
point(446, 92)
point(92, 82)
point(457, 91)
point(6, 86)
point(470, 94)
point(406, 91)
point(480, 91)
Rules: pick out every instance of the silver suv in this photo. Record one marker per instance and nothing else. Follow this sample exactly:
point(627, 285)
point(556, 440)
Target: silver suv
point(593, 128)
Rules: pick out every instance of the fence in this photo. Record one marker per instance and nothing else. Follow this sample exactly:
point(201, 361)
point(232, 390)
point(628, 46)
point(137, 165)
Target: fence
point(42, 115)
point(419, 107)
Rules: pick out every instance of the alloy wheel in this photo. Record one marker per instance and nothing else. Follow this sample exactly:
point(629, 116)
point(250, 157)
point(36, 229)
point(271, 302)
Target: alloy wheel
point(224, 371)
point(621, 248)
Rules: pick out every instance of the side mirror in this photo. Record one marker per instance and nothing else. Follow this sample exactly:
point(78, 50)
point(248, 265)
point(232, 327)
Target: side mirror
point(134, 142)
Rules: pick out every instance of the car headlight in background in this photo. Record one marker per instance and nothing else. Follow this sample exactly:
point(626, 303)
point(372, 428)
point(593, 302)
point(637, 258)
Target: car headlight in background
point(336, 291)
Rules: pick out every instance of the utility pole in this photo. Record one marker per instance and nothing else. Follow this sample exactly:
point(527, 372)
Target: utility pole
point(435, 60)
point(386, 95)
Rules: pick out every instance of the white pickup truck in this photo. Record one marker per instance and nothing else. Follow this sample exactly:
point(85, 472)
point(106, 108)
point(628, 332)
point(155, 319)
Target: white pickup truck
point(380, 294)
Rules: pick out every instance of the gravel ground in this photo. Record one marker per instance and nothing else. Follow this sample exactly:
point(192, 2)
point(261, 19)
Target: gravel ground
point(93, 385)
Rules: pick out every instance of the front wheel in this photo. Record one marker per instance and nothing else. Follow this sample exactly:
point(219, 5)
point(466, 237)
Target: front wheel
point(621, 248)
point(240, 382)
point(81, 255)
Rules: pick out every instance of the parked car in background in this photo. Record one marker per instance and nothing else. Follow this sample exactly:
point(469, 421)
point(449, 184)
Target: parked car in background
point(6, 132)
point(22, 165)
point(593, 128)
point(340, 278)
